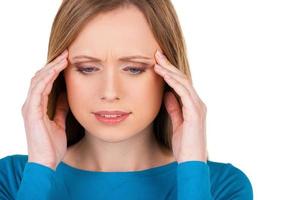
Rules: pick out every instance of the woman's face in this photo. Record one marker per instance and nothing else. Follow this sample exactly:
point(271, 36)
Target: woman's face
point(113, 83)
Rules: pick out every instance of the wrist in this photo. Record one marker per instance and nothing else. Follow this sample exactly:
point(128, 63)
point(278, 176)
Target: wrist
point(49, 164)
point(192, 157)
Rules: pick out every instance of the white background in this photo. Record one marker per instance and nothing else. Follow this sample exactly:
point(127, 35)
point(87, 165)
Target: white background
point(245, 60)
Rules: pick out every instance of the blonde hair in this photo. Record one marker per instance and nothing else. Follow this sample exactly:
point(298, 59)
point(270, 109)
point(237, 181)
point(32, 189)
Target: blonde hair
point(163, 21)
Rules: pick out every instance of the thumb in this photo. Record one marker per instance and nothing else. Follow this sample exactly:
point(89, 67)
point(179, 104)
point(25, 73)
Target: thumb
point(61, 110)
point(174, 110)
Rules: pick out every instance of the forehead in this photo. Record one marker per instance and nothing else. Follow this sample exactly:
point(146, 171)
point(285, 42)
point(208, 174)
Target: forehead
point(124, 30)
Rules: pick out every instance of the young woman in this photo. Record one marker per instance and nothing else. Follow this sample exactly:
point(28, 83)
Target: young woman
point(114, 115)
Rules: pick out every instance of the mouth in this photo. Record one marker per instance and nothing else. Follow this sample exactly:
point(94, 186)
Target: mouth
point(111, 118)
point(111, 113)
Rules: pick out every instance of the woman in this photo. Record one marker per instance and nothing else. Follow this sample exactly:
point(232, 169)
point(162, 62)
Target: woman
point(113, 114)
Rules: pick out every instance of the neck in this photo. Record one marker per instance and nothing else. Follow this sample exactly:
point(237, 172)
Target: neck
point(139, 152)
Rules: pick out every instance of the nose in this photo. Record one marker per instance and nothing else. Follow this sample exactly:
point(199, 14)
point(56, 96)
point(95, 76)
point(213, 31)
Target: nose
point(110, 85)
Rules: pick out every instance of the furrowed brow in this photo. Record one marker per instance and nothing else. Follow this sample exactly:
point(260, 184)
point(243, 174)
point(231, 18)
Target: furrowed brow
point(127, 58)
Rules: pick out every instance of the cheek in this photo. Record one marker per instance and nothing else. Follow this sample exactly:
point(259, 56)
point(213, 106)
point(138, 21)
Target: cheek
point(147, 95)
point(78, 94)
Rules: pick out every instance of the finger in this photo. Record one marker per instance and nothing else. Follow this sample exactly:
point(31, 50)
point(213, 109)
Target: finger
point(184, 81)
point(188, 105)
point(35, 96)
point(63, 55)
point(174, 110)
point(49, 85)
point(163, 61)
point(45, 73)
point(61, 111)
point(57, 60)
point(165, 64)
point(162, 70)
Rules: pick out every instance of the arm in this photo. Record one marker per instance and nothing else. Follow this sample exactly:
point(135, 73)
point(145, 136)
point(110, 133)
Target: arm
point(193, 179)
point(37, 182)
point(28, 180)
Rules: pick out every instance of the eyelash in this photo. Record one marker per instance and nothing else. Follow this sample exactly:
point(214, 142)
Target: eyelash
point(82, 69)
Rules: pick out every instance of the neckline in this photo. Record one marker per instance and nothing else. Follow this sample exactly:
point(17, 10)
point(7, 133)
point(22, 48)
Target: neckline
point(145, 172)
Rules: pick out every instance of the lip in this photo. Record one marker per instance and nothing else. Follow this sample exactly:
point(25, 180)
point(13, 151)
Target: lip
point(113, 120)
point(113, 112)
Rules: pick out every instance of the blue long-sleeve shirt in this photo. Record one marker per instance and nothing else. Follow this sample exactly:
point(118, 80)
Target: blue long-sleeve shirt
point(190, 180)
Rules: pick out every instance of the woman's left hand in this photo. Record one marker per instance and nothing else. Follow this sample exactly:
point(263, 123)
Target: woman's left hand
point(189, 123)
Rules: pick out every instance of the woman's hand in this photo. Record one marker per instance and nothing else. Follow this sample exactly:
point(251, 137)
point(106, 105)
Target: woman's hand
point(188, 122)
point(46, 139)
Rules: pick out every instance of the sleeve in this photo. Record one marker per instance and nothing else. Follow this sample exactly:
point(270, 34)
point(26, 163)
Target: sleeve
point(37, 182)
point(193, 181)
point(34, 181)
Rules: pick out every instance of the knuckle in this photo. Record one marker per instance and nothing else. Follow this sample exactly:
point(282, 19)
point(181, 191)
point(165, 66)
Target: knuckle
point(186, 81)
point(23, 107)
point(24, 111)
point(34, 91)
point(169, 65)
point(33, 80)
point(38, 72)
point(205, 108)
point(200, 116)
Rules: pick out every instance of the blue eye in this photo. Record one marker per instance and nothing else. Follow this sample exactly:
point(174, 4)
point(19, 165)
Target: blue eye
point(85, 70)
point(133, 70)
point(140, 70)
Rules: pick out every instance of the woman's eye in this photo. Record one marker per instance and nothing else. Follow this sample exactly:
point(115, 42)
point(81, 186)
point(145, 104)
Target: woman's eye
point(89, 70)
point(85, 70)
point(135, 70)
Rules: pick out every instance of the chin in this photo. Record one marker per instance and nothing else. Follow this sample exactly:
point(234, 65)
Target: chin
point(113, 136)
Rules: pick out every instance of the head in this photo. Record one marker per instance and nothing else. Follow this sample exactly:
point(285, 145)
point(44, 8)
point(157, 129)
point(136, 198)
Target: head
point(111, 31)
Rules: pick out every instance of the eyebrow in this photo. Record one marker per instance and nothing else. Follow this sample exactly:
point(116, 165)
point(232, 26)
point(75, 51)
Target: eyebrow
point(127, 58)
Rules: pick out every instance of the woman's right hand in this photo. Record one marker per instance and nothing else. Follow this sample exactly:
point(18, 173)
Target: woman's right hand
point(46, 139)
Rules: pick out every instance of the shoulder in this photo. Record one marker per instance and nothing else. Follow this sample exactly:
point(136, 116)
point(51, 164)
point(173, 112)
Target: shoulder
point(11, 170)
point(13, 164)
point(228, 181)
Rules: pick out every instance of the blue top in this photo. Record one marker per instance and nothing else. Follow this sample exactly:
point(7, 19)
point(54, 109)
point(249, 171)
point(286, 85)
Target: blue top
point(190, 180)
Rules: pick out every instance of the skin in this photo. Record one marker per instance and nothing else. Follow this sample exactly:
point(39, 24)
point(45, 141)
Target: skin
point(129, 145)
